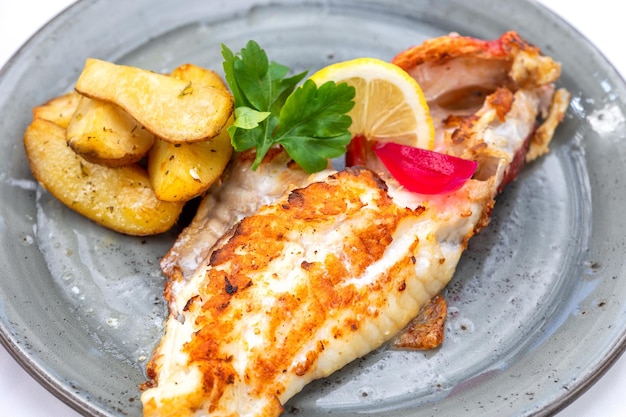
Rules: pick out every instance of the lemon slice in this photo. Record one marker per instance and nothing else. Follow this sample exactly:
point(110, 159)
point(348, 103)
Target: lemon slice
point(389, 104)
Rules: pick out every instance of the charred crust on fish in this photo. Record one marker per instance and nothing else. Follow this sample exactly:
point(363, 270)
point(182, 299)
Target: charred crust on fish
point(228, 287)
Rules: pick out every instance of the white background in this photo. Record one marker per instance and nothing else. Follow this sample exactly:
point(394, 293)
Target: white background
point(598, 20)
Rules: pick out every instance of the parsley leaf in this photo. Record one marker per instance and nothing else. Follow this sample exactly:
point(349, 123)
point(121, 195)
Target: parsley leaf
point(310, 122)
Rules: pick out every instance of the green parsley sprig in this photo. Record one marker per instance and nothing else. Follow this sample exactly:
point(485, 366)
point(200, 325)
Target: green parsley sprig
point(310, 122)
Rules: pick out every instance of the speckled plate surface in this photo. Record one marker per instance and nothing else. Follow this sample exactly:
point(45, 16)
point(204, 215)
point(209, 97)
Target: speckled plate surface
point(536, 306)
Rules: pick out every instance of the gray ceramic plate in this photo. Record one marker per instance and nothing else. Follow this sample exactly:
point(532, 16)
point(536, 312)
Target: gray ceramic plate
point(537, 310)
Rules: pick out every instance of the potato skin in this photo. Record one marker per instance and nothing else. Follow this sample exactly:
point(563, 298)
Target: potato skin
point(120, 199)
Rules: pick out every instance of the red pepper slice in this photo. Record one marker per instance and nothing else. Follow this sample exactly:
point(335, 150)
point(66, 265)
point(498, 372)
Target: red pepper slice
point(423, 171)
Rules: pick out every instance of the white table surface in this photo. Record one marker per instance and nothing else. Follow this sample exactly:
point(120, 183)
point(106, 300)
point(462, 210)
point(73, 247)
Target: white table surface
point(600, 21)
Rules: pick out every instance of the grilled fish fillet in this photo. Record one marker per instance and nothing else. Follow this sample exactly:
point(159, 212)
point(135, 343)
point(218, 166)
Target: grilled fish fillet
point(336, 266)
point(240, 192)
point(305, 286)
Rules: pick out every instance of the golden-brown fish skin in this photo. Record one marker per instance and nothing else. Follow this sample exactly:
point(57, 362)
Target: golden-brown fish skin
point(304, 287)
point(426, 331)
point(454, 46)
point(508, 61)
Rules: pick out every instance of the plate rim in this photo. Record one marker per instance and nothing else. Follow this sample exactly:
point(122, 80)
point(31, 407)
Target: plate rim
point(21, 355)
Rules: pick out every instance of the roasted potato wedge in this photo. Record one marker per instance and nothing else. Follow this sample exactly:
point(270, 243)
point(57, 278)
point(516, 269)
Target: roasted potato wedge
point(175, 110)
point(103, 133)
point(59, 109)
point(120, 199)
point(199, 75)
point(180, 172)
